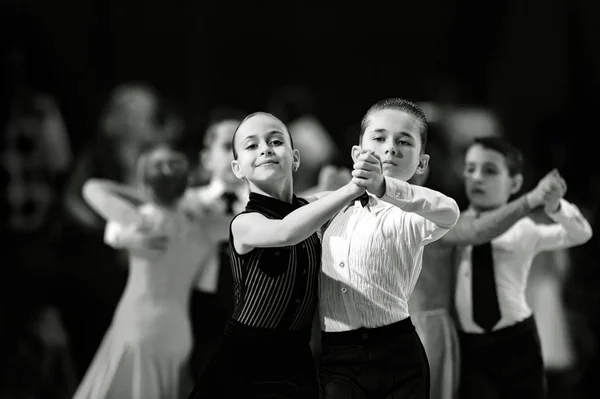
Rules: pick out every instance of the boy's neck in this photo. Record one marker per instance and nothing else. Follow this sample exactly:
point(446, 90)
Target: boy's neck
point(397, 178)
point(482, 209)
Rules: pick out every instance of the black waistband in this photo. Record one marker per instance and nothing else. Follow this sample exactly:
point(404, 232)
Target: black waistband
point(522, 327)
point(364, 335)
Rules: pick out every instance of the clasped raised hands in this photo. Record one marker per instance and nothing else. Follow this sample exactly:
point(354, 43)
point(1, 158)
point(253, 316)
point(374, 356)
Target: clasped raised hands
point(548, 192)
point(368, 173)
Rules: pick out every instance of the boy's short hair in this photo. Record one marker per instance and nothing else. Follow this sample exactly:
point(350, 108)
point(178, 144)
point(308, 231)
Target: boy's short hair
point(400, 105)
point(217, 116)
point(512, 155)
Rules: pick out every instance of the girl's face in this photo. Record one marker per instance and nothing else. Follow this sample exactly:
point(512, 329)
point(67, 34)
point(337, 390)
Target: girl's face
point(165, 173)
point(265, 154)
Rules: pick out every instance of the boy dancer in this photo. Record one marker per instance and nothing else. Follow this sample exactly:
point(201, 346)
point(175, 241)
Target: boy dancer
point(432, 300)
point(500, 347)
point(372, 253)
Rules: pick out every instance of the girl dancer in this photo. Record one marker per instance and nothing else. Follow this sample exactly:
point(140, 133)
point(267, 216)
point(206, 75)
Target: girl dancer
point(147, 346)
point(275, 256)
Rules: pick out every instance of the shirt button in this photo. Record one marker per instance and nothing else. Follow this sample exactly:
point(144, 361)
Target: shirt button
point(302, 246)
point(342, 264)
point(365, 336)
point(344, 290)
point(276, 253)
point(397, 195)
point(303, 271)
point(298, 300)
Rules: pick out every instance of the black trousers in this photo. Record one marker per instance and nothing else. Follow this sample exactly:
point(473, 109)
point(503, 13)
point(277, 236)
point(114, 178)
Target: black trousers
point(208, 319)
point(506, 363)
point(378, 363)
point(255, 363)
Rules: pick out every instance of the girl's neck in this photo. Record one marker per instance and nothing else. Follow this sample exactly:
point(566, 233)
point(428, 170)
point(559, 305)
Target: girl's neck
point(171, 206)
point(283, 192)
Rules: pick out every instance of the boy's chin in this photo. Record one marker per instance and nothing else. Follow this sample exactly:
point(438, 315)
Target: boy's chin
point(484, 206)
point(396, 175)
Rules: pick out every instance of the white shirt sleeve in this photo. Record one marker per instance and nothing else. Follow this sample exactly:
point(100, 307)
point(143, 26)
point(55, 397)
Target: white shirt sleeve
point(112, 234)
point(431, 213)
point(571, 229)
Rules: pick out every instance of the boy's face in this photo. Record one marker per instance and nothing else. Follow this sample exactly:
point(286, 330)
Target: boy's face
point(395, 137)
point(488, 182)
point(217, 158)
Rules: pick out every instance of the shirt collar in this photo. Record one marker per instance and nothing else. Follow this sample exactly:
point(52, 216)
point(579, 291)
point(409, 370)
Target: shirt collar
point(374, 206)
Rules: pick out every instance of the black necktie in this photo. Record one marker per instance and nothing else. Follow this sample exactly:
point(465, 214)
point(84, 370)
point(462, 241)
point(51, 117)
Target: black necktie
point(486, 310)
point(225, 287)
point(229, 199)
point(364, 200)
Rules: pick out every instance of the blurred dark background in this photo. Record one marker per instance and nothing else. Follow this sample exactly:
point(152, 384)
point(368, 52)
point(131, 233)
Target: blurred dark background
point(529, 70)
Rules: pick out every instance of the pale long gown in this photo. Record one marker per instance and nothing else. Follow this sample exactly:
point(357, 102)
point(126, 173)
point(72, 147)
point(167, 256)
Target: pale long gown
point(430, 306)
point(146, 349)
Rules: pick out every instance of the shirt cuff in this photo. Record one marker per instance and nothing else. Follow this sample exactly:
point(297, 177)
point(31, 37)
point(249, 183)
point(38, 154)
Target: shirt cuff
point(566, 211)
point(112, 234)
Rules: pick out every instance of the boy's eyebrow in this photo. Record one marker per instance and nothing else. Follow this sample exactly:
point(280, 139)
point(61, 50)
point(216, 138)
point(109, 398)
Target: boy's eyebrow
point(403, 133)
point(486, 163)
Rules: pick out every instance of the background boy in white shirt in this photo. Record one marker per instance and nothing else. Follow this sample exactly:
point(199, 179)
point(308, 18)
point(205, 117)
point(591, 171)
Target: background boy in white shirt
point(500, 348)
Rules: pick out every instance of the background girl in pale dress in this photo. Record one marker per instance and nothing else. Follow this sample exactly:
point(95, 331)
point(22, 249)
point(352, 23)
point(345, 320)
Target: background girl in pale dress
point(145, 352)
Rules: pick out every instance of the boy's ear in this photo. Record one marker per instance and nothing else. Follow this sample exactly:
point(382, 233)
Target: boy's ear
point(423, 164)
point(355, 152)
point(517, 183)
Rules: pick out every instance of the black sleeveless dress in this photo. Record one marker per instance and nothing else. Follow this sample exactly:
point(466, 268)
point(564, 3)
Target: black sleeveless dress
point(265, 349)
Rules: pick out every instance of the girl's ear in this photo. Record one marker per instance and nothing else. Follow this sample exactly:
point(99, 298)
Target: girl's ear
point(296, 160)
point(235, 167)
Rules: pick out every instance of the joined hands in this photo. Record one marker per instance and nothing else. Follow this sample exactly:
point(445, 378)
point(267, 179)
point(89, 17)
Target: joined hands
point(368, 173)
point(548, 192)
